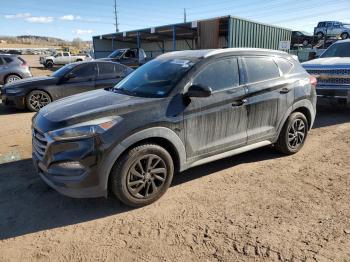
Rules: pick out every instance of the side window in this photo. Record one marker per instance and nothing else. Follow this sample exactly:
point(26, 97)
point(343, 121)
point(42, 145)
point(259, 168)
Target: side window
point(219, 75)
point(260, 69)
point(284, 65)
point(65, 54)
point(85, 71)
point(58, 55)
point(120, 70)
point(106, 71)
point(7, 60)
point(329, 24)
point(1, 61)
point(321, 24)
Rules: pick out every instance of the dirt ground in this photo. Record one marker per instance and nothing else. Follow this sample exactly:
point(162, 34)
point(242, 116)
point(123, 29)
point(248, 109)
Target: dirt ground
point(258, 206)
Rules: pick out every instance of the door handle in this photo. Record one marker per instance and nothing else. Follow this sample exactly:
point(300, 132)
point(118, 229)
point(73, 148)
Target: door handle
point(239, 102)
point(285, 90)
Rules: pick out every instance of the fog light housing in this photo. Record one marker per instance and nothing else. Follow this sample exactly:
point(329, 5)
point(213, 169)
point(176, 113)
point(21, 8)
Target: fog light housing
point(69, 165)
point(67, 168)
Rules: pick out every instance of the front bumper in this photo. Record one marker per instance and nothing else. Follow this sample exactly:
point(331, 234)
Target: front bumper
point(334, 92)
point(18, 101)
point(69, 167)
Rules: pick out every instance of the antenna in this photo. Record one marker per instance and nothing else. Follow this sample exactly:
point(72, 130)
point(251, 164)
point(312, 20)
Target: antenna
point(185, 16)
point(116, 16)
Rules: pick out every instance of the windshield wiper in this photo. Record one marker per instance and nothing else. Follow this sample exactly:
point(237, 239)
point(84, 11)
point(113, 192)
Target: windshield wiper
point(124, 91)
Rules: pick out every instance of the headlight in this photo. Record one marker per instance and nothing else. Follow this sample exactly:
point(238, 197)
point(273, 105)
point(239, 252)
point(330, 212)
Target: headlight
point(84, 130)
point(12, 90)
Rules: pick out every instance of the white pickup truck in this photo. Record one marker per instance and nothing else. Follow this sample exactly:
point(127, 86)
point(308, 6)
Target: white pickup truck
point(62, 58)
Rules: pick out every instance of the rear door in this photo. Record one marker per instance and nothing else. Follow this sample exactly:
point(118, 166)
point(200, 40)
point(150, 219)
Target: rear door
point(267, 100)
point(218, 123)
point(83, 81)
point(109, 74)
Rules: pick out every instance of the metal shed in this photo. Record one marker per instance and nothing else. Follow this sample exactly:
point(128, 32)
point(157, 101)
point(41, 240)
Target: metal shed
point(220, 32)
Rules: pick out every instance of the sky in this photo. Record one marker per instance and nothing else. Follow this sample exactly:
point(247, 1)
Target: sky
point(68, 19)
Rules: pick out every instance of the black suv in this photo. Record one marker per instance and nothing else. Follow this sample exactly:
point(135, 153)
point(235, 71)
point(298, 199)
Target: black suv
point(178, 111)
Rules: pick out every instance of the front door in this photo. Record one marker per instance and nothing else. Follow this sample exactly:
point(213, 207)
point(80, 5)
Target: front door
point(83, 81)
point(218, 123)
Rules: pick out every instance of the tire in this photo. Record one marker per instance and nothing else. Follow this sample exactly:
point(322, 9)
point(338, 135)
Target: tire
point(320, 35)
point(344, 36)
point(293, 134)
point(132, 184)
point(12, 78)
point(37, 99)
point(49, 64)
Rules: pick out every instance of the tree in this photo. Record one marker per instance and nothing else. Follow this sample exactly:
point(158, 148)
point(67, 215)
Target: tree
point(77, 42)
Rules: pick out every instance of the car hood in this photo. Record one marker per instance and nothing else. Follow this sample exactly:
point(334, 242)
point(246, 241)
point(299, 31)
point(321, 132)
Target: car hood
point(89, 106)
point(338, 62)
point(37, 81)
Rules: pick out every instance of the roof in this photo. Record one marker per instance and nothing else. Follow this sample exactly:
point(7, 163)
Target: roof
point(205, 53)
point(185, 30)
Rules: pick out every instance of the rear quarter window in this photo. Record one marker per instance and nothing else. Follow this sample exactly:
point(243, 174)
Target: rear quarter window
point(8, 60)
point(284, 65)
point(260, 69)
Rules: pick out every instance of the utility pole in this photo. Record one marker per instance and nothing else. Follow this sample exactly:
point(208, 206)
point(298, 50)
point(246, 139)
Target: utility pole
point(185, 16)
point(116, 16)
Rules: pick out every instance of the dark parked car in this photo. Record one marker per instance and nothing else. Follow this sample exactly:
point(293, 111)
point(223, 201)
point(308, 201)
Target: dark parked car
point(13, 68)
point(301, 38)
point(37, 92)
point(178, 111)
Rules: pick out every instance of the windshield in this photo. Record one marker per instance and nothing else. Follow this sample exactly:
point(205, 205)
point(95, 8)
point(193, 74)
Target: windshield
point(154, 79)
point(337, 50)
point(63, 71)
point(117, 53)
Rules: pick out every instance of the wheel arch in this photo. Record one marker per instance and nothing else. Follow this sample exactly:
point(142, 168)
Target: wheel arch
point(306, 112)
point(303, 106)
point(10, 74)
point(161, 136)
point(345, 33)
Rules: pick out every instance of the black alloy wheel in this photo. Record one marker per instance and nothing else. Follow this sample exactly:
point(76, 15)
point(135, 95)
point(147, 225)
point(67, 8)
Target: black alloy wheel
point(37, 99)
point(142, 175)
point(293, 134)
point(146, 176)
point(296, 133)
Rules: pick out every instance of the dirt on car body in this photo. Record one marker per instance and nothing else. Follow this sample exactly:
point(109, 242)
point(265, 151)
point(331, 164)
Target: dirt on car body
point(258, 206)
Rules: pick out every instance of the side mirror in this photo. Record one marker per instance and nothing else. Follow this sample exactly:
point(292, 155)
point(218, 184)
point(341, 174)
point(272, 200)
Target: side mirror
point(199, 91)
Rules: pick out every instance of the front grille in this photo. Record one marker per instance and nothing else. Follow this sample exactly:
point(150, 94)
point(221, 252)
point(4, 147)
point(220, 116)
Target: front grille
point(331, 76)
point(39, 143)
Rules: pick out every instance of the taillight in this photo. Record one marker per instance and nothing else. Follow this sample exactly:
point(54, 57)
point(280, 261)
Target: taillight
point(313, 81)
